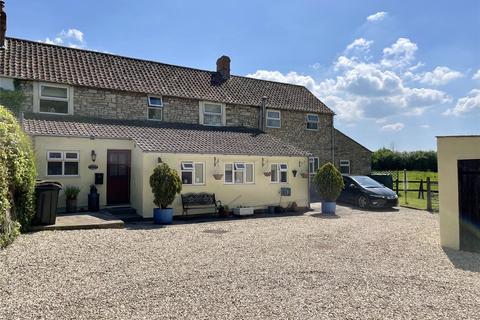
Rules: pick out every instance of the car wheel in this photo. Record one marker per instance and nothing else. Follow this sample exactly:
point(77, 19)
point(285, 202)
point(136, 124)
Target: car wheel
point(362, 202)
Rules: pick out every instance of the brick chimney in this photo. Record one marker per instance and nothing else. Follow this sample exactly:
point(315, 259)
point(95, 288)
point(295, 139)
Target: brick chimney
point(3, 24)
point(223, 67)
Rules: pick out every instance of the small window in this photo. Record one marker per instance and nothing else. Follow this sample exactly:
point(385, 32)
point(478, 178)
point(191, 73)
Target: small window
point(54, 99)
point(273, 119)
point(279, 173)
point(155, 108)
point(193, 173)
point(312, 121)
point(283, 172)
point(313, 165)
point(62, 163)
point(274, 173)
point(212, 114)
point(345, 166)
point(239, 173)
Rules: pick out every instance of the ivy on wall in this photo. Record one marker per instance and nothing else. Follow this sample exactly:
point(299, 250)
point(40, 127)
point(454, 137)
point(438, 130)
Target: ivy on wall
point(17, 178)
point(13, 99)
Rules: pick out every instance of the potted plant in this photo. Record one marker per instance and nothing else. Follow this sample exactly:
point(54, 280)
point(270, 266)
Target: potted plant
point(165, 184)
point(223, 211)
point(218, 176)
point(71, 194)
point(329, 183)
point(267, 173)
point(304, 175)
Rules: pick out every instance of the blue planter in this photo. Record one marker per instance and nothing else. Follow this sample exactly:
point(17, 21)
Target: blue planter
point(328, 207)
point(163, 216)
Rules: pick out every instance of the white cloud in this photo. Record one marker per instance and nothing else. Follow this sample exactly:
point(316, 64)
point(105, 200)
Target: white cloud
point(439, 76)
point(476, 76)
point(400, 54)
point(72, 38)
point(466, 104)
point(377, 16)
point(393, 127)
point(360, 44)
point(425, 126)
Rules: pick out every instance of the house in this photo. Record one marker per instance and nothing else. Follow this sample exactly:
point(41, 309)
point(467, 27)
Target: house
point(459, 191)
point(107, 119)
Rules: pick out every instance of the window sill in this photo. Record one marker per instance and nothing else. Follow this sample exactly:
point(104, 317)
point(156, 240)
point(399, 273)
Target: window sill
point(55, 113)
point(63, 176)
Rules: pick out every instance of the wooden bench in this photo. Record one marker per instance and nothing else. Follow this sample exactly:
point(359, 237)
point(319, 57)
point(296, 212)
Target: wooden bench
point(200, 200)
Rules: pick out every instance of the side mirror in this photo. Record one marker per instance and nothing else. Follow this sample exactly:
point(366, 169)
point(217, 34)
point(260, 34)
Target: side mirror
point(352, 186)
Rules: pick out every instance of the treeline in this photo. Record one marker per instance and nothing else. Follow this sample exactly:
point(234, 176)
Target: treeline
point(386, 159)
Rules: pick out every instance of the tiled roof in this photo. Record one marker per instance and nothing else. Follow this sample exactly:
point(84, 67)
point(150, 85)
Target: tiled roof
point(151, 136)
point(30, 60)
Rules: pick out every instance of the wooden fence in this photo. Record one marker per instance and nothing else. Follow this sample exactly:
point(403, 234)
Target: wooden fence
point(426, 189)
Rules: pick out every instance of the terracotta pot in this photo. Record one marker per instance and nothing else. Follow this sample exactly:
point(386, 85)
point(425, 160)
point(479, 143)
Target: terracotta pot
point(71, 205)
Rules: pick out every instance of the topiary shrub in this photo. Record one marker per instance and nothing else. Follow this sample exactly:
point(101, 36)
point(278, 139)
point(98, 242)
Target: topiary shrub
point(328, 182)
point(17, 178)
point(165, 184)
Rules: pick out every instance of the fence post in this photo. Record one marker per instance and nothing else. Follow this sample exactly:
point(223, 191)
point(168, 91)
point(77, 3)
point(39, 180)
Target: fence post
point(420, 190)
point(405, 184)
point(429, 195)
point(396, 186)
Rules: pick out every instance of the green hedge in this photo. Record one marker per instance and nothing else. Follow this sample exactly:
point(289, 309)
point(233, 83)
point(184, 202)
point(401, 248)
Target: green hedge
point(17, 178)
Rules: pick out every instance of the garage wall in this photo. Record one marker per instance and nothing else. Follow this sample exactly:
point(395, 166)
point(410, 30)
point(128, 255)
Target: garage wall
point(449, 151)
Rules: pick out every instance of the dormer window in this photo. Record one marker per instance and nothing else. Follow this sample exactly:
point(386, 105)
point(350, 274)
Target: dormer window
point(155, 108)
point(54, 99)
point(212, 114)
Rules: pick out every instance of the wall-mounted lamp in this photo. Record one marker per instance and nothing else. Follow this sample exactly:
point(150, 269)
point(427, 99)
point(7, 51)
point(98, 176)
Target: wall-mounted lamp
point(294, 172)
point(159, 160)
point(215, 161)
point(93, 155)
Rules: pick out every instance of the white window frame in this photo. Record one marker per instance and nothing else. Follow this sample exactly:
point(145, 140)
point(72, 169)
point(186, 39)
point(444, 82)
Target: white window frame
point(278, 171)
point(279, 119)
point(345, 163)
point(192, 170)
point(37, 94)
point(311, 165)
point(314, 122)
point(62, 159)
point(237, 167)
point(202, 113)
point(155, 107)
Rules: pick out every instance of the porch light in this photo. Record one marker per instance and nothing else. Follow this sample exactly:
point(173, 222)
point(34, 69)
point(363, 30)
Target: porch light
point(93, 155)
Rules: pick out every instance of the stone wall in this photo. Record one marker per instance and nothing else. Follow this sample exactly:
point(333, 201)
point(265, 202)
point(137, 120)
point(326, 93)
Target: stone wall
point(348, 149)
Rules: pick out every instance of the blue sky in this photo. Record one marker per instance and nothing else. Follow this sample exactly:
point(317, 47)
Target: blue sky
point(397, 73)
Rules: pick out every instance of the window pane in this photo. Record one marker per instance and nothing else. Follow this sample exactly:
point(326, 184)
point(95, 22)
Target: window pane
point(55, 155)
point(283, 176)
point(283, 167)
point(155, 113)
point(187, 177)
point(273, 123)
point(228, 173)
point(199, 173)
point(71, 155)
point(213, 108)
point(54, 169)
point(273, 114)
point(312, 125)
point(345, 169)
point(71, 168)
point(54, 92)
point(249, 173)
point(213, 120)
point(239, 166)
point(312, 118)
point(154, 101)
point(274, 172)
point(187, 165)
point(53, 106)
point(239, 176)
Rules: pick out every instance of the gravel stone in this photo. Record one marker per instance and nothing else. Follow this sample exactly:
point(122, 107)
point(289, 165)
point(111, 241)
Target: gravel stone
point(368, 265)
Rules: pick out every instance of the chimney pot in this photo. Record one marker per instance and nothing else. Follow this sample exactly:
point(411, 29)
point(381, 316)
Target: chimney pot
point(3, 24)
point(223, 67)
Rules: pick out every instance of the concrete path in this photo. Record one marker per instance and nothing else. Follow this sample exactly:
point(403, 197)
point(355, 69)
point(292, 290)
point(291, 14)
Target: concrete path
point(88, 220)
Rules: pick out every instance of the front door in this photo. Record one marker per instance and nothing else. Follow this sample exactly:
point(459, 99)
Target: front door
point(118, 177)
point(469, 204)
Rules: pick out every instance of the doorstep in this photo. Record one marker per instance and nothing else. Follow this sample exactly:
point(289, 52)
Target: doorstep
point(82, 221)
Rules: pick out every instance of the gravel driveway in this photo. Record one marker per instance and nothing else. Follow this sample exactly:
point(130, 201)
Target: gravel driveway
point(373, 265)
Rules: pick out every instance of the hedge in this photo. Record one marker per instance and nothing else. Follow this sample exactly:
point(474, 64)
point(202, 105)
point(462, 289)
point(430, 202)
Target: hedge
point(17, 178)
point(385, 159)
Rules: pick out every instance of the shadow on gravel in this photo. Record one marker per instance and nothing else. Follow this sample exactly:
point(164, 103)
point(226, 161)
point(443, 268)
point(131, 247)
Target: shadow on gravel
point(324, 216)
point(464, 260)
point(393, 209)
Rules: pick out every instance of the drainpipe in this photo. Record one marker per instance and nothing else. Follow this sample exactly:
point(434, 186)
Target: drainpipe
point(263, 112)
point(333, 143)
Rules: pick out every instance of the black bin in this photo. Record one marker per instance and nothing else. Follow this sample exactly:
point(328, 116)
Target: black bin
point(93, 200)
point(46, 202)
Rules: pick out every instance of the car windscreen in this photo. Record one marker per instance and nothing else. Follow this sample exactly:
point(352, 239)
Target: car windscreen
point(367, 182)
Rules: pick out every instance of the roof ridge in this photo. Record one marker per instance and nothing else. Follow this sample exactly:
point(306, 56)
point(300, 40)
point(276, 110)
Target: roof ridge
point(147, 60)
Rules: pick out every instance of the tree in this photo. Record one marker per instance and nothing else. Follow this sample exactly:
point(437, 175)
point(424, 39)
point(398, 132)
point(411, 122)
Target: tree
point(165, 184)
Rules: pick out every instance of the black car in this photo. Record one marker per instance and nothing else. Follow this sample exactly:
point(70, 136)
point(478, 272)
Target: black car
point(365, 192)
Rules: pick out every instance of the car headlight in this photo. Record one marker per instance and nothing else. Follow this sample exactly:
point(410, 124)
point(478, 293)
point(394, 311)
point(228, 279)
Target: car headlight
point(377, 196)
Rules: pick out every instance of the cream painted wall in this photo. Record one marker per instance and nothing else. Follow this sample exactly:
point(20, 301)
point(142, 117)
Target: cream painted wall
point(449, 150)
point(258, 195)
point(42, 144)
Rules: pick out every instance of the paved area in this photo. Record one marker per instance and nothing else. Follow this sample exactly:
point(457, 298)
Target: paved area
point(358, 265)
point(88, 220)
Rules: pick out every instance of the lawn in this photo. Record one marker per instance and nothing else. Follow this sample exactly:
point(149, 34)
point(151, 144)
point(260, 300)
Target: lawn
point(359, 265)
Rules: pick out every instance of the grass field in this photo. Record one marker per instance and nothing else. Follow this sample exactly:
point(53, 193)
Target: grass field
point(412, 196)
